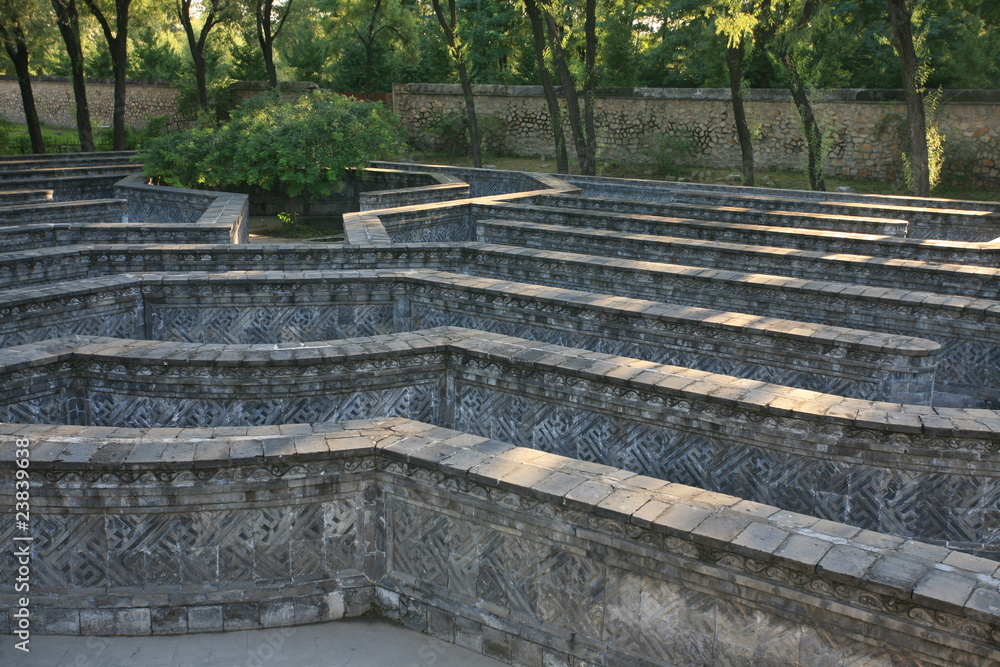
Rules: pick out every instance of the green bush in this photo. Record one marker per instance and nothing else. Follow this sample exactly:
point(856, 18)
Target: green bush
point(451, 134)
point(672, 152)
point(6, 136)
point(295, 148)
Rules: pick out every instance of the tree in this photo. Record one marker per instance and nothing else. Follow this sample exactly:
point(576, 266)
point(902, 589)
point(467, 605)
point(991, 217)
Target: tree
point(117, 40)
point(548, 88)
point(13, 31)
point(68, 20)
point(375, 21)
point(456, 47)
point(736, 20)
point(618, 50)
point(269, 19)
point(581, 117)
point(214, 12)
point(789, 32)
point(900, 15)
point(297, 148)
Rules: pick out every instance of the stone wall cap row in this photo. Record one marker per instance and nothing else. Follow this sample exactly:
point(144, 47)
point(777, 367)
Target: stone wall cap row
point(630, 375)
point(943, 271)
point(874, 95)
point(935, 577)
point(667, 220)
point(829, 288)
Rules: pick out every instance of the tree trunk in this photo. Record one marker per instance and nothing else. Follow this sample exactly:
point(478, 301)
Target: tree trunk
point(569, 91)
point(196, 44)
point(118, 46)
point(369, 57)
point(119, 62)
point(590, 88)
point(448, 25)
point(201, 78)
point(734, 63)
point(68, 19)
point(810, 127)
point(475, 140)
point(913, 96)
point(267, 49)
point(19, 56)
point(555, 113)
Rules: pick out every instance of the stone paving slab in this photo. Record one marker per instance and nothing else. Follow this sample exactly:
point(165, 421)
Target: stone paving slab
point(363, 642)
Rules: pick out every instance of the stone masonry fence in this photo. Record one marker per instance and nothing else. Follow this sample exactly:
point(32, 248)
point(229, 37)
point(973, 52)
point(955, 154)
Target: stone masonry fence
point(633, 123)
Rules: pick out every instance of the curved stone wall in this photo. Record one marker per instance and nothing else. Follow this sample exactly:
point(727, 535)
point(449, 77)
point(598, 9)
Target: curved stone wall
point(531, 557)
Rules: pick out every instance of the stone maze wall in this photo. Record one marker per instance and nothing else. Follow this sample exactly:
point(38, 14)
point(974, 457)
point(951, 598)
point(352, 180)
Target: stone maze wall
point(673, 423)
point(56, 106)
point(529, 557)
point(484, 440)
point(256, 307)
point(633, 122)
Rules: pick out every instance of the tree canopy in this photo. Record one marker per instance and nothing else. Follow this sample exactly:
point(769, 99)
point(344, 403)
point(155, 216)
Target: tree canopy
point(295, 148)
point(354, 45)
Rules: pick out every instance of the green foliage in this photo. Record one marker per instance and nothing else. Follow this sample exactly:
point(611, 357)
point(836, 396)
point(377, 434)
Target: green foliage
point(619, 48)
point(673, 152)
point(6, 136)
point(297, 148)
point(154, 56)
point(451, 134)
point(892, 127)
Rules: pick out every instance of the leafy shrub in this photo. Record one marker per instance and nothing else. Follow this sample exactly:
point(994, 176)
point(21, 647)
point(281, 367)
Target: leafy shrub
point(297, 148)
point(451, 134)
point(6, 136)
point(893, 127)
point(672, 152)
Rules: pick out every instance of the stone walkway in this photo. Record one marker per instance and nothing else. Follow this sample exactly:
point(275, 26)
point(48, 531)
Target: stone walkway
point(348, 643)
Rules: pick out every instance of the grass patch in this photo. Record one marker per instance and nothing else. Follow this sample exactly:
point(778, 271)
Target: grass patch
point(14, 139)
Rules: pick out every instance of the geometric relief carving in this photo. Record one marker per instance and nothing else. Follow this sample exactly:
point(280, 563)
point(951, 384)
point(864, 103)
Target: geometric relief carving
point(420, 543)
point(490, 413)
point(552, 428)
point(415, 402)
point(941, 507)
point(585, 577)
point(259, 324)
point(48, 408)
point(126, 324)
point(511, 572)
point(201, 548)
point(968, 363)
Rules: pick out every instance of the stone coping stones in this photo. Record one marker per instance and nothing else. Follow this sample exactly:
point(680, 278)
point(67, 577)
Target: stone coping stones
point(540, 519)
point(71, 159)
point(295, 306)
point(89, 211)
point(934, 316)
point(664, 419)
point(935, 219)
point(40, 174)
point(698, 222)
point(611, 213)
point(961, 280)
point(24, 196)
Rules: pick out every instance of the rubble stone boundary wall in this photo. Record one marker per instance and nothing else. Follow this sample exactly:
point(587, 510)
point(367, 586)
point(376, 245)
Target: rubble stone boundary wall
point(56, 106)
point(525, 556)
point(631, 123)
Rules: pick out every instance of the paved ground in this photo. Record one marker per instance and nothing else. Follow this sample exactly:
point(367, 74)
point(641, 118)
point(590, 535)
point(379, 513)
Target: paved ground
point(349, 643)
